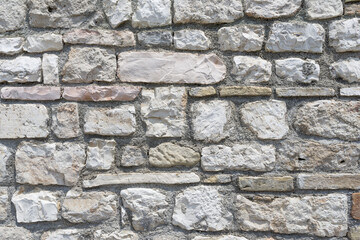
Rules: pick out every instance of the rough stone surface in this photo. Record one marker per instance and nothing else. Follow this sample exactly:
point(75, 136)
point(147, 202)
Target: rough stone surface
point(191, 39)
point(117, 11)
point(271, 8)
point(100, 154)
point(4, 203)
point(62, 234)
point(354, 233)
point(43, 43)
point(347, 69)
point(152, 13)
point(267, 183)
point(254, 157)
point(50, 69)
point(344, 35)
point(329, 119)
point(355, 207)
point(328, 181)
point(35, 93)
point(224, 237)
point(15, 233)
point(350, 92)
point(5, 155)
point(324, 216)
point(20, 70)
point(202, 92)
point(328, 9)
point(244, 91)
point(11, 46)
point(12, 15)
point(132, 156)
point(201, 208)
point(101, 93)
point(249, 70)
point(65, 120)
point(305, 92)
point(157, 38)
point(352, 9)
point(297, 70)
point(49, 163)
point(115, 235)
point(267, 119)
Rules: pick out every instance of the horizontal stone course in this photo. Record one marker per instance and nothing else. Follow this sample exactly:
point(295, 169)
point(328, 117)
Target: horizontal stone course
point(305, 92)
point(328, 181)
point(36, 93)
point(101, 93)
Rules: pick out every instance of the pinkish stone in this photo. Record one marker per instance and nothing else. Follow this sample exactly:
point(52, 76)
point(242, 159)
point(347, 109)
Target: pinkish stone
point(34, 93)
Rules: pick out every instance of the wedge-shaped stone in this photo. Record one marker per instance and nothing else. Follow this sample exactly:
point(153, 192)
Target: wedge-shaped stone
point(12, 15)
point(328, 181)
point(297, 70)
point(271, 8)
point(328, 9)
point(323, 216)
point(100, 154)
point(347, 69)
point(4, 203)
point(249, 69)
point(65, 120)
point(266, 183)
point(43, 43)
point(22, 69)
point(49, 163)
point(5, 154)
point(15, 233)
point(305, 92)
point(344, 35)
point(117, 11)
point(170, 67)
point(152, 13)
point(35, 93)
point(243, 157)
point(68, 234)
point(11, 46)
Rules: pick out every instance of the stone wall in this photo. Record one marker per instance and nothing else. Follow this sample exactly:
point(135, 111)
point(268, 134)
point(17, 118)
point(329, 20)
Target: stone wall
point(181, 119)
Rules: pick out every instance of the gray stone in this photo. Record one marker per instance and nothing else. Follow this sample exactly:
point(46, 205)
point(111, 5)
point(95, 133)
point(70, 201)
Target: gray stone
point(100, 154)
point(43, 43)
point(21, 70)
point(65, 120)
point(350, 92)
point(132, 157)
point(271, 8)
point(65, 234)
point(325, 10)
point(115, 235)
point(152, 13)
point(157, 38)
point(223, 237)
point(12, 15)
point(11, 46)
point(5, 154)
point(328, 181)
point(191, 39)
point(297, 70)
point(354, 233)
point(117, 11)
point(347, 69)
point(249, 69)
point(50, 69)
point(15, 233)
point(4, 204)
point(202, 91)
point(266, 183)
point(305, 92)
point(344, 35)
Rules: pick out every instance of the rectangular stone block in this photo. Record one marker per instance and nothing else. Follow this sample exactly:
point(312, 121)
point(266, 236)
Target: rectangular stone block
point(350, 92)
point(266, 183)
point(355, 207)
point(22, 69)
point(11, 46)
point(352, 9)
point(4, 203)
point(202, 92)
point(35, 93)
point(305, 92)
point(43, 43)
point(344, 35)
point(233, 91)
point(65, 120)
point(328, 181)
point(101, 93)
point(50, 69)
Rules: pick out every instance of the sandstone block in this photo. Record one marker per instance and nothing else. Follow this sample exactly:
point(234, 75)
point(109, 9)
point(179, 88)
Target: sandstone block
point(305, 92)
point(202, 92)
point(155, 38)
point(71, 234)
point(5, 154)
point(350, 92)
point(15, 233)
point(115, 235)
point(4, 204)
point(355, 207)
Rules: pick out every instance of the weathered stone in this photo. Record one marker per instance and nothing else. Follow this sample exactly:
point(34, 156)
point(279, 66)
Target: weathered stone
point(43, 43)
point(21, 70)
point(168, 178)
point(11, 46)
point(347, 69)
point(344, 35)
point(212, 120)
point(12, 15)
point(219, 178)
point(328, 181)
point(149, 208)
point(305, 92)
point(23, 121)
point(157, 38)
point(79, 207)
point(65, 120)
point(100, 154)
point(62, 234)
point(242, 37)
point(297, 70)
point(329, 9)
point(202, 92)
point(119, 121)
point(244, 91)
point(117, 11)
point(267, 119)
point(191, 39)
point(49, 163)
point(354, 233)
point(355, 207)
point(5, 154)
point(36, 206)
point(35, 93)
point(201, 208)
point(152, 13)
point(352, 9)
point(266, 183)
point(115, 235)
point(100, 37)
point(101, 93)
point(207, 11)
point(324, 216)
point(170, 67)
point(224, 237)
point(132, 156)
point(170, 155)
point(271, 8)
point(50, 69)
point(4, 203)
point(163, 110)
point(296, 37)
point(254, 157)
point(60, 13)
point(15, 233)
point(350, 92)
point(250, 69)
point(86, 65)
point(329, 119)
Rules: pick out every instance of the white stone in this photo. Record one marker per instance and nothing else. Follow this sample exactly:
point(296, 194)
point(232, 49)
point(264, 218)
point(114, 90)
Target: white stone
point(132, 156)
point(23, 121)
point(12, 15)
point(36, 206)
point(64, 234)
point(271, 8)
point(119, 121)
point(350, 92)
point(242, 37)
point(50, 69)
point(15, 233)
point(21, 69)
point(11, 46)
point(347, 69)
point(100, 154)
point(49, 163)
point(163, 111)
point(267, 119)
point(5, 155)
point(327, 9)
point(4, 204)
point(65, 120)
point(254, 157)
point(117, 11)
point(149, 208)
point(297, 70)
point(296, 37)
point(201, 208)
point(155, 38)
point(152, 13)
point(191, 39)
point(115, 235)
point(43, 43)
point(251, 70)
point(344, 35)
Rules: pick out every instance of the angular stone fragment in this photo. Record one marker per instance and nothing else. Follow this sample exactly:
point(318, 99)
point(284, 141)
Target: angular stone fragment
point(65, 120)
point(68, 234)
point(89, 207)
point(23, 121)
point(354, 233)
point(170, 67)
point(132, 156)
point(191, 39)
point(4, 203)
point(344, 35)
point(244, 91)
point(201, 208)
point(347, 69)
point(5, 154)
point(86, 65)
point(35, 93)
point(152, 13)
point(95, 93)
point(117, 11)
point(43, 43)
point(100, 154)
point(115, 235)
point(11, 46)
point(36, 206)
point(271, 8)
point(12, 15)
point(202, 92)
point(352, 9)
point(157, 38)
point(267, 119)
point(323, 216)
point(328, 9)
point(266, 183)
point(21, 70)
point(329, 119)
point(100, 37)
point(254, 157)
point(249, 69)
point(296, 37)
point(350, 92)
point(297, 70)
point(50, 69)
point(15, 233)
point(168, 178)
point(305, 92)
point(224, 237)
point(49, 163)
point(328, 181)
point(149, 208)
point(209, 11)
point(170, 155)
point(60, 13)
point(355, 207)
point(242, 37)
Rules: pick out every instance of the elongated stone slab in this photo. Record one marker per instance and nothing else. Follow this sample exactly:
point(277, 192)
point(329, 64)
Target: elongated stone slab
point(329, 181)
point(35, 93)
point(305, 92)
point(101, 93)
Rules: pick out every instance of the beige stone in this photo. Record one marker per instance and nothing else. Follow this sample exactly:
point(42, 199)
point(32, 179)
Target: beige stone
point(15, 233)
point(352, 9)
point(35, 93)
point(266, 183)
point(244, 91)
point(202, 92)
point(328, 181)
point(305, 92)
point(65, 120)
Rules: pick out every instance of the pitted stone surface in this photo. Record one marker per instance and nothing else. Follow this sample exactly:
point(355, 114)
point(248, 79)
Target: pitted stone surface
point(189, 39)
point(4, 203)
point(248, 69)
point(15, 233)
point(68, 234)
point(132, 156)
point(115, 235)
point(344, 35)
point(297, 70)
point(5, 155)
point(12, 15)
point(117, 11)
point(347, 69)
point(271, 8)
point(327, 9)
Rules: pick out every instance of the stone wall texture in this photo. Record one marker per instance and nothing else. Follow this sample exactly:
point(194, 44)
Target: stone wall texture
point(179, 119)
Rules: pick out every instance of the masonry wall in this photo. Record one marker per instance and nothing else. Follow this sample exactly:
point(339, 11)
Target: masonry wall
point(182, 119)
